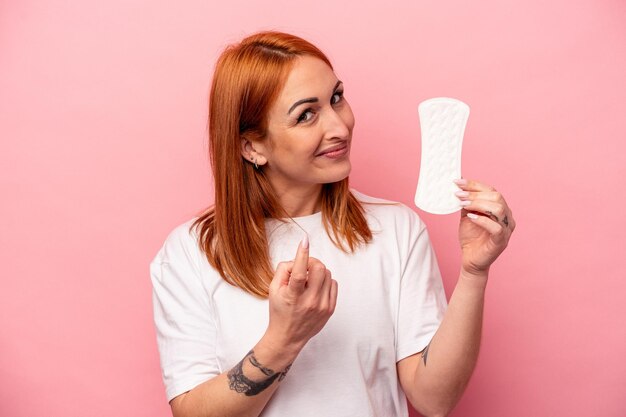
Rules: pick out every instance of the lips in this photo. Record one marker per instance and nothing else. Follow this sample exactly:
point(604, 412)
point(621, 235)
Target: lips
point(333, 148)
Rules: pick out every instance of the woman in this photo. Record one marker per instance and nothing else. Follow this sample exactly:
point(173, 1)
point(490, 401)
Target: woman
point(295, 294)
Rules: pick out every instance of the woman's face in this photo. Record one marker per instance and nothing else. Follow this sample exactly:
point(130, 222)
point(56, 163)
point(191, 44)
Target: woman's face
point(309, 118)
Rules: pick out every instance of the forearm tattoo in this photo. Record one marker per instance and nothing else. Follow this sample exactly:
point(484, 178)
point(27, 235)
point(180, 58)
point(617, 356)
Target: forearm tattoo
point(425, 354)
point(237, 381)
point(256, 364)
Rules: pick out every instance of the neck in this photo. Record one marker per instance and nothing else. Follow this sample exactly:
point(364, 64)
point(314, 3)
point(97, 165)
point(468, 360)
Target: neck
point(302, 201)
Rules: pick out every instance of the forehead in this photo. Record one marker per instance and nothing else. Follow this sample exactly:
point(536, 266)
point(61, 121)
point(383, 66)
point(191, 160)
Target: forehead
point(309, 77)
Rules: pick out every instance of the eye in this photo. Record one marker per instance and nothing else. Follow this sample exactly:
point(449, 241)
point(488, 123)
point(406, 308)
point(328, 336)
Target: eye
point(337, 97)
point(305, 116)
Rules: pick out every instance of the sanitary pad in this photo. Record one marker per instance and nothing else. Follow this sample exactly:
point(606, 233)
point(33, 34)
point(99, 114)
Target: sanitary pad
point(442, 122)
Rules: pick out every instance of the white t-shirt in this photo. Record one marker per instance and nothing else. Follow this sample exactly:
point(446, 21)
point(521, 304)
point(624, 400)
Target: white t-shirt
point(390, 303)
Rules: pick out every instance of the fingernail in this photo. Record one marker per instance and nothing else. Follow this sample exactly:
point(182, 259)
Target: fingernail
point(461, 181)
point(465, 203)
point(472, 215)
point(462, 194)
point(305, 242)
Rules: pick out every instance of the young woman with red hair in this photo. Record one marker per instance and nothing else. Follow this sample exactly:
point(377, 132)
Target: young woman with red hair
point(294, 294)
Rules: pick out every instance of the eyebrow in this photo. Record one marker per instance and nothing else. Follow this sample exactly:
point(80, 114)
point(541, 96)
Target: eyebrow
point(310, 99)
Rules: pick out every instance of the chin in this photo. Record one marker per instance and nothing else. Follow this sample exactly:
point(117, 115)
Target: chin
point(339, 174)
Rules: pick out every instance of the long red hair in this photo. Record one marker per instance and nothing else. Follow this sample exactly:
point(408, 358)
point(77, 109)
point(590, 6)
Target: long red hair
point(247, 80)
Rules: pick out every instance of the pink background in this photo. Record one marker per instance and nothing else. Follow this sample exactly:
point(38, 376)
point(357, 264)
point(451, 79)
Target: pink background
point(103, 126)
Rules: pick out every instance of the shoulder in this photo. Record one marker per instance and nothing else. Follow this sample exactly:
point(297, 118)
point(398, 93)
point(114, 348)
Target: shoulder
point(183, 233)
point(181, 243)
point(389, 212)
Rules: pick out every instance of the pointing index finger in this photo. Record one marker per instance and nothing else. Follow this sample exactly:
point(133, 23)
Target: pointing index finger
point(298, 277)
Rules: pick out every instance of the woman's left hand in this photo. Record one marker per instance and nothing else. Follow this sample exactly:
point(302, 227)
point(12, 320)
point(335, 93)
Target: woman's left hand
point(486, 225)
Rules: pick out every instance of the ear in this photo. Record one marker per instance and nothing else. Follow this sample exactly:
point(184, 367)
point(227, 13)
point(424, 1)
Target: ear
point(253, 152)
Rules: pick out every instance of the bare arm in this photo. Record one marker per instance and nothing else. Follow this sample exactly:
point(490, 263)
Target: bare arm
point(302, 298)
point(435, 380)
point(242, 391)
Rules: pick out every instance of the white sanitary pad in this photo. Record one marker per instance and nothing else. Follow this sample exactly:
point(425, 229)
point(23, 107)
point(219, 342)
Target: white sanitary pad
point(442, 122)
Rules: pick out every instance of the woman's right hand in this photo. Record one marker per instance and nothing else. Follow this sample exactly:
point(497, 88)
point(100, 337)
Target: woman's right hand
point(302, 297)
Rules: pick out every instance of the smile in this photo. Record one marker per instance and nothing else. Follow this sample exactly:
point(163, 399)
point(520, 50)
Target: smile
point(335, 152)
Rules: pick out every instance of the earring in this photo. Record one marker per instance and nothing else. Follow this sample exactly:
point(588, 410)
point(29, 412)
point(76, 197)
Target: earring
point(255, 165)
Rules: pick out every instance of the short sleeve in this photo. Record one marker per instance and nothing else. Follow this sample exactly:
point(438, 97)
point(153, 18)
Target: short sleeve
point(182, 315)
point(422, 296)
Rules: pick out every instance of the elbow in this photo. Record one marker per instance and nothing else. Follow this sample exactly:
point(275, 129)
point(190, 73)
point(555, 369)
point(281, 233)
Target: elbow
point(436, 401)
point(429, 408)
point(439, 412)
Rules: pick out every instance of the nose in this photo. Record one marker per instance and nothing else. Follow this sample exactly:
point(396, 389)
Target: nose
point(337, 125)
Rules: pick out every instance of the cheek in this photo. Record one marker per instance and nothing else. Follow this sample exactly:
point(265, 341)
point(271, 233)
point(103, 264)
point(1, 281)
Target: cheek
point(299, 147)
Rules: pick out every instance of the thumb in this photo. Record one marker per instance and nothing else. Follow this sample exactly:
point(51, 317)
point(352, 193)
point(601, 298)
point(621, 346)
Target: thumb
point(281, 276)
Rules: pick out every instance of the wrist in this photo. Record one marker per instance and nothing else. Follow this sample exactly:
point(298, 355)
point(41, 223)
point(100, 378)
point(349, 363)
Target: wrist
point(474, 278)
point(474, 273)
point(279, 352)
